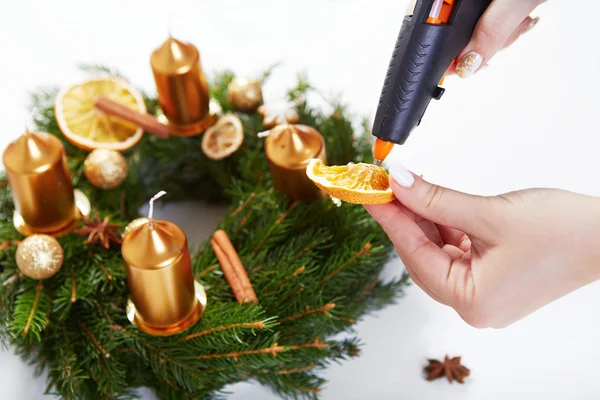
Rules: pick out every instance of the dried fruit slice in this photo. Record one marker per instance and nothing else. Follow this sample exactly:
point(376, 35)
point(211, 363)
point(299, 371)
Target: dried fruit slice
point(353, 183)
point(223, 138)
point(89, 128)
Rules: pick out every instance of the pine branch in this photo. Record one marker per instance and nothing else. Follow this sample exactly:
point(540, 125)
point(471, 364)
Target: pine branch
point(272, 350)
point(287, 371)
point(363, 252)
point(324, 309)
point(278, 221)
point(94, 340)
point(111, 378)
point(253, 325)
point(67, 375)
point(30, 314)
point(300, 385)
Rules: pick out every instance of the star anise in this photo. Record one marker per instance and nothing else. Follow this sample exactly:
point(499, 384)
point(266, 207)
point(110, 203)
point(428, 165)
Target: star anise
point(451, 368)
point(99, 231)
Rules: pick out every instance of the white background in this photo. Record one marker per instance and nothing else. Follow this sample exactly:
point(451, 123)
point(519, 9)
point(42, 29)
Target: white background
point(530, 119)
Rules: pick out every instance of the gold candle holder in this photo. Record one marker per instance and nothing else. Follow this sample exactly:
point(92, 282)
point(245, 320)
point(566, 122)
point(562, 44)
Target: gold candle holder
point(289, 148)
point(164, 300)
point(182, 88)
point(41, 187)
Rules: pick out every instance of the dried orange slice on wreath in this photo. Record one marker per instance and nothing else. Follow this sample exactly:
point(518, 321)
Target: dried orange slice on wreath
point(353, 183)
point(87, 127)
point(223, 138)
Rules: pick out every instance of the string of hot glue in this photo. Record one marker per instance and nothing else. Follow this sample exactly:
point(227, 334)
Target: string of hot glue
point(156, 197)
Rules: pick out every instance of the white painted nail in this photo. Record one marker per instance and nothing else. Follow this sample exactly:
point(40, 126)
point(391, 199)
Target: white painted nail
point(401, 175)
point(469, 64)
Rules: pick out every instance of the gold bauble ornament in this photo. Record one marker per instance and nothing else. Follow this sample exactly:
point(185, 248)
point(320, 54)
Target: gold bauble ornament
point(245, 94)
point(133, 224)
point(39, 256)
point(105, 169)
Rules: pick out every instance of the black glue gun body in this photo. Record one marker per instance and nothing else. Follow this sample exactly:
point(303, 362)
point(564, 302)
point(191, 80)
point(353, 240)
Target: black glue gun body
point(428, 43)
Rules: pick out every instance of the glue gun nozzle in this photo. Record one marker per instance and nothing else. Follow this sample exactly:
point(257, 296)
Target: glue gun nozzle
point(377, 162)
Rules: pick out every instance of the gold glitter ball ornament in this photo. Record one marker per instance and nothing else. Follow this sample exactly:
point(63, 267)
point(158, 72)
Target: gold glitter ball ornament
point(105, 169)
point(245, 94)
point(39, 256)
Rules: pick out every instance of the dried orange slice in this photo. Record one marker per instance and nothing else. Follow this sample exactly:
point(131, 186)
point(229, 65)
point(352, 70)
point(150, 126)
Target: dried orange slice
point(89, 128)
point(223, 138)
point(353, 183)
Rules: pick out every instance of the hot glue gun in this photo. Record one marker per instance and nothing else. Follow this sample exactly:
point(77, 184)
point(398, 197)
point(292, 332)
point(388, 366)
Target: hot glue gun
point(430, 39)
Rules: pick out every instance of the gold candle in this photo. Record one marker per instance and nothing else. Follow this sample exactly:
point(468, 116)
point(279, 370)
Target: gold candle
point(182, 88)
point(289, 148)
point(165, 300)
point(40, 182)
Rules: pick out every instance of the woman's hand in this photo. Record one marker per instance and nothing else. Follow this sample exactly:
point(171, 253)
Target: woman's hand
point(493, 259)
point(501, 24)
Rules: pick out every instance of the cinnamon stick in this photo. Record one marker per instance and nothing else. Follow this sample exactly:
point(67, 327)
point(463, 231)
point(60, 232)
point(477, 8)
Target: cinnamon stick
point(232, 268)
point(148, 122)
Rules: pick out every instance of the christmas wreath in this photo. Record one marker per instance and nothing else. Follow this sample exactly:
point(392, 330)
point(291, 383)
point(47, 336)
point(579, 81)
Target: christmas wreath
point(314, 267)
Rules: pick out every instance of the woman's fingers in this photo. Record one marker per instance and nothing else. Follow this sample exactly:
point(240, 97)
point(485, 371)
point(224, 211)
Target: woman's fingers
point(415, 278)
point(494, 29)
point(454, 237)
point(438, 234)
point(525, 26)
point(428, 227)
point(426, 260)
point(440, 205)
point(454, 252)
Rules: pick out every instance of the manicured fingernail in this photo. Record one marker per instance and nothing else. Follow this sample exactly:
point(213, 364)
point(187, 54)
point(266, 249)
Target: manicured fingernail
point(531, 24)
point(401, 175)
point(468, 64)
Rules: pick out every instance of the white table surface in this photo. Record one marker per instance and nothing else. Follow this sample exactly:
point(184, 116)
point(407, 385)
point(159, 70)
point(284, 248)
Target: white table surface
point(530, 119)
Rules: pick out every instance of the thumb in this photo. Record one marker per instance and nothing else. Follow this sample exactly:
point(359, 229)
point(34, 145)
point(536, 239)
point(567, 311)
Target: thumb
point(446, 207)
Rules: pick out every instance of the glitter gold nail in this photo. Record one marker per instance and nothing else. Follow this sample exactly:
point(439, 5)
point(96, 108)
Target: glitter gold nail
point(531, 24)
point(469, 64)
